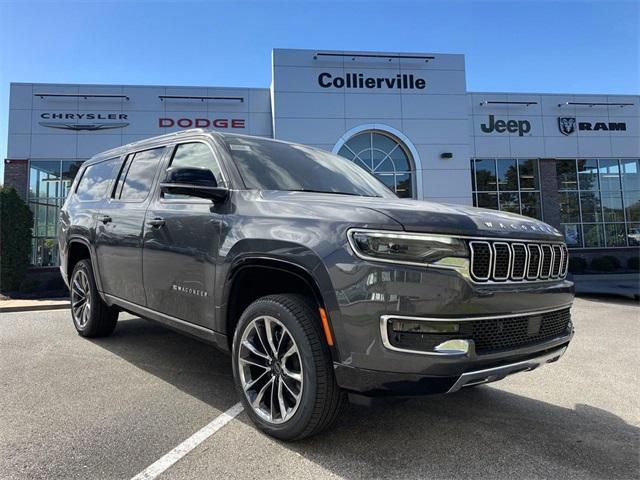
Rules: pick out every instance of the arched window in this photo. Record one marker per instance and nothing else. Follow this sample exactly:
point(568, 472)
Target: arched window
point(384, 156)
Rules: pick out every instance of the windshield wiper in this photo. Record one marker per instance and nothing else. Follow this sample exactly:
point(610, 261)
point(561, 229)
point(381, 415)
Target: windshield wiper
point(327, 191)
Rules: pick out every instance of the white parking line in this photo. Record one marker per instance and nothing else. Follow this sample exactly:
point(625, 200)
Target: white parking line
point(166, 461)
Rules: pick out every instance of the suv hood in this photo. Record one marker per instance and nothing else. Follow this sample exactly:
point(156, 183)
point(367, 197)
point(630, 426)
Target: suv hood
point(430, 217)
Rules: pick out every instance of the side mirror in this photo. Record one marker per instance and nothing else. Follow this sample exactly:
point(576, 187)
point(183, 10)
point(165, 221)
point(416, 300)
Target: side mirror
point(193, 181)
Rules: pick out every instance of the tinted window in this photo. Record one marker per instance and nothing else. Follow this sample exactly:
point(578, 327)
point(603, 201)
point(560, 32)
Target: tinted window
point(272, 165)
point(139, 175)
point(96, 179)
point(196, 155)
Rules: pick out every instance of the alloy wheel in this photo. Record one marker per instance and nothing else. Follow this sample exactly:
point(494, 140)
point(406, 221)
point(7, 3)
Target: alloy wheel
point(80, 298)
point(270, 368)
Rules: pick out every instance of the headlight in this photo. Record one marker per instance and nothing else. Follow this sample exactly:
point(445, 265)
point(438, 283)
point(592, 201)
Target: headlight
point(438, 250)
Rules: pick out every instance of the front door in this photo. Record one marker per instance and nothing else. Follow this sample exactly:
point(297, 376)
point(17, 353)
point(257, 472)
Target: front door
point(181, 245)
point(120, 227)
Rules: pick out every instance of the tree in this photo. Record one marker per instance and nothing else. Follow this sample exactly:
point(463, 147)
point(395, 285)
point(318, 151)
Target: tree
point(16, 224)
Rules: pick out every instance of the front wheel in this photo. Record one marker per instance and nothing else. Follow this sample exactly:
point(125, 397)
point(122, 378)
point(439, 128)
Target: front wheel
point(91, 316)
point(282, 368)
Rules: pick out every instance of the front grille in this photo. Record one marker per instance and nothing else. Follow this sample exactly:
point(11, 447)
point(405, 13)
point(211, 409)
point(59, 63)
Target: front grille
point(501, 261)
point(513, 332)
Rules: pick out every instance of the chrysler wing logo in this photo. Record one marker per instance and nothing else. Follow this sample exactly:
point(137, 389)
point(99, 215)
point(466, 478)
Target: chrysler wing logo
point(83, 126)
point(567, 125)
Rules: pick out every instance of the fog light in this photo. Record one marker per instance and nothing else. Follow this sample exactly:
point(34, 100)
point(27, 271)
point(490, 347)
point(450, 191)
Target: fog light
point(413, 326)
point(453, 346)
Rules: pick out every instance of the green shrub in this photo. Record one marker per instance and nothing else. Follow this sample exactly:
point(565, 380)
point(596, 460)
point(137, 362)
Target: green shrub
point(16, 223)
point(633, 263)
point(607, 263)
point(577, 264)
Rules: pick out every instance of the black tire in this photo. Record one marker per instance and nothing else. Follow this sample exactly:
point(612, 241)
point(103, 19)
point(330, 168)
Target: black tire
point(321, 399)
point(97, 319)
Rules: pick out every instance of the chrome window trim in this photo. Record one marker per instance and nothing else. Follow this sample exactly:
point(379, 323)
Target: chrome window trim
point(526, 261)
point(495, 263)
point(471, 249)
point(384, 334)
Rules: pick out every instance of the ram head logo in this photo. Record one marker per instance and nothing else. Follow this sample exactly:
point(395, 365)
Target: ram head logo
point(567, 125)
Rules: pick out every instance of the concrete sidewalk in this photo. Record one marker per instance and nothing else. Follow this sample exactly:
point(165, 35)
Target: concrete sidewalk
point(29, 305)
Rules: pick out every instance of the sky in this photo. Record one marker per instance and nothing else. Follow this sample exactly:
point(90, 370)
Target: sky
point(514, 46)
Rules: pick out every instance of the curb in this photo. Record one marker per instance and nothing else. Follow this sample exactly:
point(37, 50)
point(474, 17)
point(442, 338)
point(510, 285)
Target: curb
point(34, 308)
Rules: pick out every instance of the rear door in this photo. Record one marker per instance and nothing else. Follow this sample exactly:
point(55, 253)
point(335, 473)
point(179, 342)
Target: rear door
point(181, 241)
point(120, 226)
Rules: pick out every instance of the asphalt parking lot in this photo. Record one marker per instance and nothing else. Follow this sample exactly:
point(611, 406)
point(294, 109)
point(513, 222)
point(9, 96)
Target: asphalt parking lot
point(108, 408)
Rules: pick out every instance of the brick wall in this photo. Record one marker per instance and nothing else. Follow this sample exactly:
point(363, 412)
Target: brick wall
point(16, 175)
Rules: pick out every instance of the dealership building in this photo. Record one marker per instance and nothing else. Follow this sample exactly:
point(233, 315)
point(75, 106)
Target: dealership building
point(570, 160)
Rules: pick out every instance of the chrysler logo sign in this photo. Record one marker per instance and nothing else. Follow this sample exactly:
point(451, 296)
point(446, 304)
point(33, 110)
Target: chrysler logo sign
point(79, 121)
point(567, 125)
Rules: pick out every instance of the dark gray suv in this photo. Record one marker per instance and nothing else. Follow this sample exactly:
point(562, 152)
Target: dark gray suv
point(320, 281)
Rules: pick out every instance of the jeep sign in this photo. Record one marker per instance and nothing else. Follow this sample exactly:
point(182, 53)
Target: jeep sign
point(510, 126)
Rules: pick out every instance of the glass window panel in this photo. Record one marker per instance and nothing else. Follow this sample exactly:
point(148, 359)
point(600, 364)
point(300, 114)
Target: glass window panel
point(45, 252)
point(361, 146)
point(44, 178)
point(139, 179)
point(401, 160)
point(70, 170)
point(632, 205)
point(96, 179)
point(590, 204)
point(403, 186)
point(509, 202)
point(486, 175)
point(507, 174)
point(615, 235)
point(388, 180)
point(630, 175)
point(593, 235)
point(633, 234)
point(588, 174)
point(569, 209)
point(567, 175)
point(383, 142)
point(195, 155)
point(612, 206)
point(488, 200)
point(473, 176)
point(572, 234)
point(609, 175)
point(531, 205)
point(346, 153)
point(528, 174)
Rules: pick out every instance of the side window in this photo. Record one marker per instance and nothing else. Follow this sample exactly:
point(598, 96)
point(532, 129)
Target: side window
point(137, 174)
point(95, 180)
point(194, 154)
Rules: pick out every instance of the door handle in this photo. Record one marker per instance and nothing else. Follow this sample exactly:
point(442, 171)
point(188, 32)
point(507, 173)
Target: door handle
point(156, 222)
point(104, 218)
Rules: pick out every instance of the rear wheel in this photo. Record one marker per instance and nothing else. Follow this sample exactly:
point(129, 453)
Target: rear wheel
point(282, 368)
point(91, 316)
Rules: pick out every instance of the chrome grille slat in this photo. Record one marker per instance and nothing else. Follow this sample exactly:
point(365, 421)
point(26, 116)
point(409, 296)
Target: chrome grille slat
point(512, 261)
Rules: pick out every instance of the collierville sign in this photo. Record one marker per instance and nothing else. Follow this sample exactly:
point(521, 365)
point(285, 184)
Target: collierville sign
point(567, 125)
point(402, 81)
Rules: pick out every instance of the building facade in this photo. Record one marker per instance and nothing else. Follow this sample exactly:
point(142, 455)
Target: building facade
point(570, 160)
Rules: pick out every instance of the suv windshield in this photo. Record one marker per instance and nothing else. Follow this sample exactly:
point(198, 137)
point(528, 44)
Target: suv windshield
point(272, 165)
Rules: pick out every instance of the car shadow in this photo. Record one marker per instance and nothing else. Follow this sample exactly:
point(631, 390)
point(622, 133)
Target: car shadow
point(481, 432)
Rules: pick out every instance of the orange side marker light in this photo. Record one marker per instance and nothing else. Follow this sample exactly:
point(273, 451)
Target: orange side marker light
point(325, 326)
